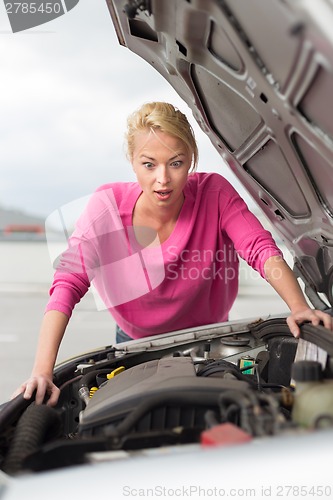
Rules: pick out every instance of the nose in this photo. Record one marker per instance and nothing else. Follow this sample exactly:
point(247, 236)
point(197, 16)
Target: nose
point(163, 176)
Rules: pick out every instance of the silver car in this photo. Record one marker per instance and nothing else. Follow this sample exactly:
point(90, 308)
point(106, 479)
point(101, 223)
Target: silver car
point(237, 409)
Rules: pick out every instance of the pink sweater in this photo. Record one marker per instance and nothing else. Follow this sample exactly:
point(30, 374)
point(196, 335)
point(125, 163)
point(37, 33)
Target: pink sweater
point(189, 280)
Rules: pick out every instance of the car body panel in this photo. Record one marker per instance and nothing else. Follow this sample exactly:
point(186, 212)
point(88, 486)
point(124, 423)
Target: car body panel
point(194, 472)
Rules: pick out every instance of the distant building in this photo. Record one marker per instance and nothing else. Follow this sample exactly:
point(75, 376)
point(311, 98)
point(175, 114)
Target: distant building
point(15, 224)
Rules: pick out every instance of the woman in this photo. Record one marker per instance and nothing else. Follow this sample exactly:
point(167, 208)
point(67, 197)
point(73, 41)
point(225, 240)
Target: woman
point(162, 252)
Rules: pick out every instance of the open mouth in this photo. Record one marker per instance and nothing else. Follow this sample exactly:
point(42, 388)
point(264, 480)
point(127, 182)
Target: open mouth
point(163, 194)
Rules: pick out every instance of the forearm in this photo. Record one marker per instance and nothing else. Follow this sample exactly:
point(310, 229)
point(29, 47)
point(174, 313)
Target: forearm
point(51, 333)
point(282, 279)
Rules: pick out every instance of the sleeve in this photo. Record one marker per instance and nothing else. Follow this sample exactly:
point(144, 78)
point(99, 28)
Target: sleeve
point(76, 266)
point(251, 240)
point(71, 279)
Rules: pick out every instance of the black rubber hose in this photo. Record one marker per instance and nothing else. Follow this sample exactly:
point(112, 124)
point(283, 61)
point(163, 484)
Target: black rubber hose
point(277, 327)
point(10, 411)
point(38, 424)
point(223, 367)
point(90, 377)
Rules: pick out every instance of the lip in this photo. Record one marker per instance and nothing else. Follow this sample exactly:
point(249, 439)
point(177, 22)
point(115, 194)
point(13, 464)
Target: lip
point(165, 196)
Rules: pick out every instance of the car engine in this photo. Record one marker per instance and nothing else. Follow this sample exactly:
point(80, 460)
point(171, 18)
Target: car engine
point(213, 386)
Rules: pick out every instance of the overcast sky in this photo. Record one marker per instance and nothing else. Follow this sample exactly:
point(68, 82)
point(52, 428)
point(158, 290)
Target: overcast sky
point(67, 88)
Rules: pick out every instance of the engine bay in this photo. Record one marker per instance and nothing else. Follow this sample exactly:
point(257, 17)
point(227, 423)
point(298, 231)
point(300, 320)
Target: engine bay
point(214, 386)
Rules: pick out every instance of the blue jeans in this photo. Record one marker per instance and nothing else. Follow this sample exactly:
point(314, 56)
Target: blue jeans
point(121, 336)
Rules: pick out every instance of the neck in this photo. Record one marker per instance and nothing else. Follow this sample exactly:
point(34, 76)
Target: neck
point(160, 219)
point(161, 215)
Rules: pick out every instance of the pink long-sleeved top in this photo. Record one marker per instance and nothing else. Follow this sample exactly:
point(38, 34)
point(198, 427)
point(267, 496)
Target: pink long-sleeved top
point(190, 279)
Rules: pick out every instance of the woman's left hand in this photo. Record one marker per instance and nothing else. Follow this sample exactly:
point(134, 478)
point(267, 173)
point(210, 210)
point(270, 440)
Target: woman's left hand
point(315, 316)
point(283, 280)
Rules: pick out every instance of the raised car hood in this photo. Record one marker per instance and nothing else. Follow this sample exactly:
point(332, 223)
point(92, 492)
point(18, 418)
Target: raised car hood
point(258, 76)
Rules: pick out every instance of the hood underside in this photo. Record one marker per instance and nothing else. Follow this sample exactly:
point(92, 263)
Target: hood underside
point(258, 76)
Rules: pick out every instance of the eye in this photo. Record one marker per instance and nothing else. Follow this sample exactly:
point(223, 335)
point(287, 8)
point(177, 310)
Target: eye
point(176, 164)
point(148, 164)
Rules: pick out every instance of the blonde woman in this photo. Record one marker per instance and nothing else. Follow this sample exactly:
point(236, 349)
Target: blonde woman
point(161, 251)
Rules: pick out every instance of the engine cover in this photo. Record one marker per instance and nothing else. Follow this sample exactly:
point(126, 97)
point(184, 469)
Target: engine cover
point(169, 387)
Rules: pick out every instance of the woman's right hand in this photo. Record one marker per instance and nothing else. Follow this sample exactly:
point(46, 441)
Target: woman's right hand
point(44, 387)
point(41, 380)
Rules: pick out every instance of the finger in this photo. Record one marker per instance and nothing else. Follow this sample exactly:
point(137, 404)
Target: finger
point(293, 327)
point(18, 391)
point(315, 320)
point(326, 319)
point(41, 390)
point(53, 399)
point(29, 389)
point(329, 321)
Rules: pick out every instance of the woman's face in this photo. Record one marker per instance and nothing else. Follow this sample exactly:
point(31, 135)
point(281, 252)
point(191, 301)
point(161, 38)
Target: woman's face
point(161, 163)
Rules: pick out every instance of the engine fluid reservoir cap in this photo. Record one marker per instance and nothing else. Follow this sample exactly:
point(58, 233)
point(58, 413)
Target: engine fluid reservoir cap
point(306, 371)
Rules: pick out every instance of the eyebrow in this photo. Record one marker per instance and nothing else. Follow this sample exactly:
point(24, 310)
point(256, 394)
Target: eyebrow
point(153, 159)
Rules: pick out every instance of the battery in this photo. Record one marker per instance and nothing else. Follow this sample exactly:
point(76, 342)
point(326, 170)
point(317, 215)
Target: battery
point(246, 361)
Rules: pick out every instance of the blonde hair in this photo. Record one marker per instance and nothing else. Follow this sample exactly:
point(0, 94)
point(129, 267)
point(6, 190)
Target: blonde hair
point(166, 118)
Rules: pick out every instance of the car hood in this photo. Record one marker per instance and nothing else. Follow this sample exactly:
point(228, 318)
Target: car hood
point(258, 76)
